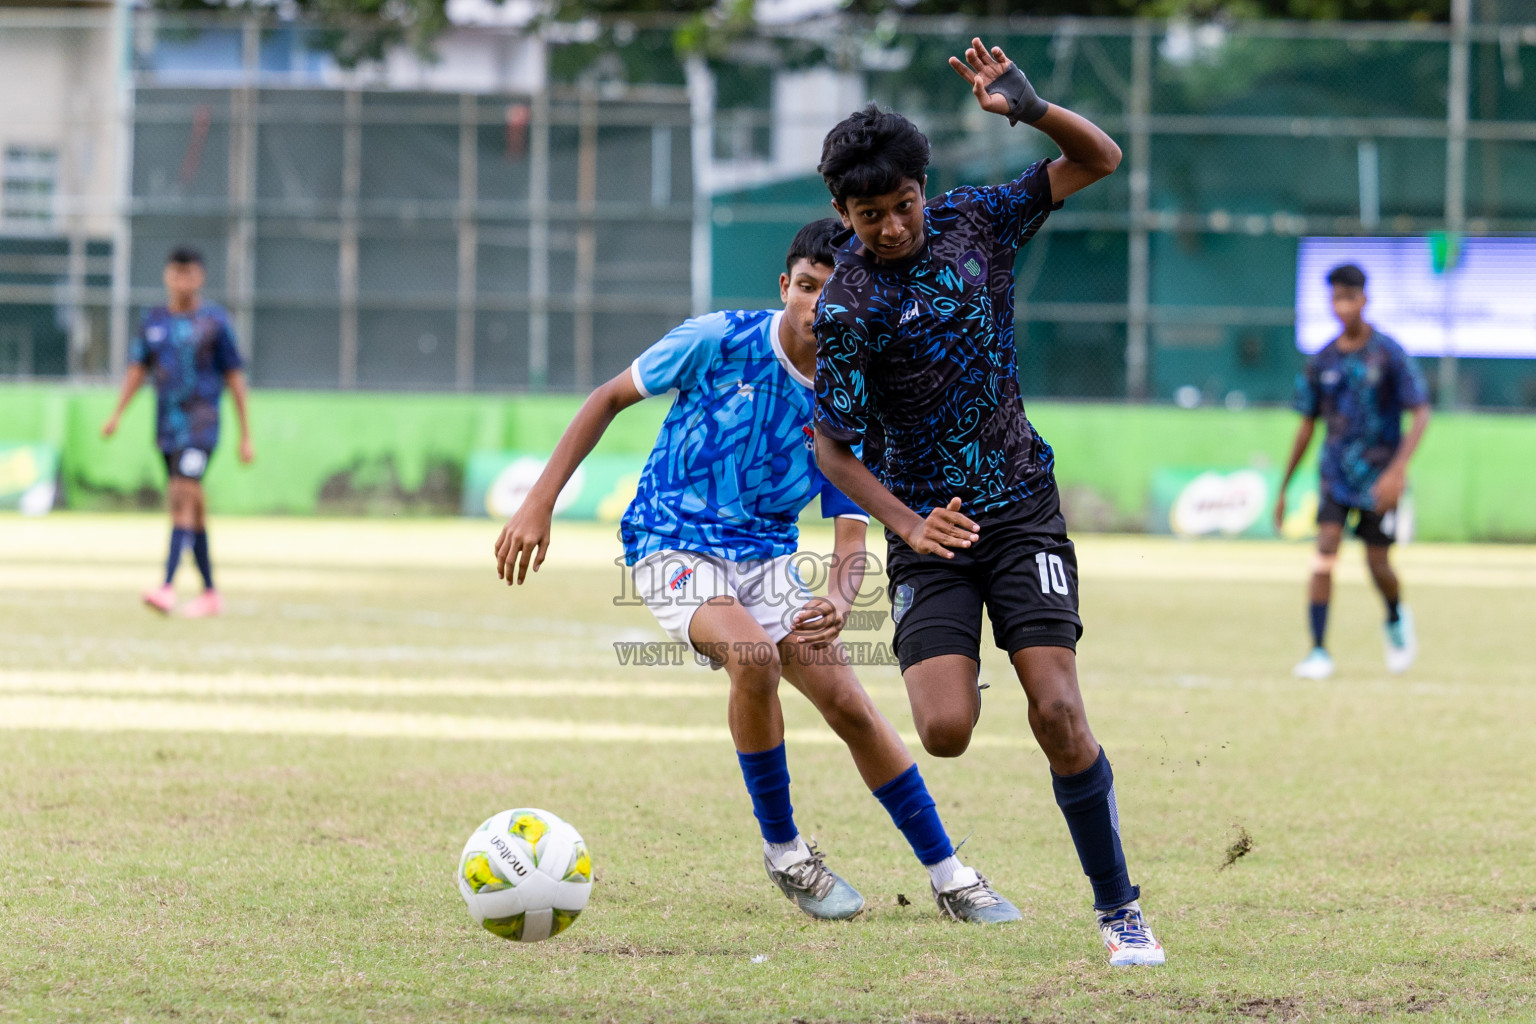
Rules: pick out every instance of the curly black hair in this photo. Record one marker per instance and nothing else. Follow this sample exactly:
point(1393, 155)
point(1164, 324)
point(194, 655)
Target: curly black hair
point(814, 242)
point(871, 152)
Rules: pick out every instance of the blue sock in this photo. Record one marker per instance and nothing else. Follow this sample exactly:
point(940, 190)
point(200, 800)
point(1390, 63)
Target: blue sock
point(1087, 801)
point(911, 808)
point(767, 775)
point(179, 538)
point(1319, 615)
point(200, 552)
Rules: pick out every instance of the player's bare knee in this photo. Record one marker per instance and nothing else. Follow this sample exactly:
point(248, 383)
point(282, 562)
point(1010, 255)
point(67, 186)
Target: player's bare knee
point(850, 712)
point(945, 736)
point(1323, 563)
point(755, 669)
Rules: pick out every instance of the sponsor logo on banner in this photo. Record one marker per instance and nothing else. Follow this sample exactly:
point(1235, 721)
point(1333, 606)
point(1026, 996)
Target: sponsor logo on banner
point(1224, 503)
point(510, 488)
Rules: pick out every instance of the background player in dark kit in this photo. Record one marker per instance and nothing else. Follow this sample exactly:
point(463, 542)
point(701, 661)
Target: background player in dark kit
point(1360, 383)
point(916, 339)
point(188, 347)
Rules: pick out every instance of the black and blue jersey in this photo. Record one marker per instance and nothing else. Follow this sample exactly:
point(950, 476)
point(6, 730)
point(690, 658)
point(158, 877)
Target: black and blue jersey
point(1361, 396)
point(921, 354)
point(187, 356)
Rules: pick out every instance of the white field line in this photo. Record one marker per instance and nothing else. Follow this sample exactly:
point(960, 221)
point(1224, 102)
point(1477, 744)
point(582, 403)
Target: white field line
point(108, 714)
point(159, 684)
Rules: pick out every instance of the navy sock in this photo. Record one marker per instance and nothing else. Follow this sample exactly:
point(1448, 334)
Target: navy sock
point(200, 552)
point(1319, 616)
point(1087, 801)
point(179, 538)
point(906, 799)
point(767, 775)
point(1392, 613)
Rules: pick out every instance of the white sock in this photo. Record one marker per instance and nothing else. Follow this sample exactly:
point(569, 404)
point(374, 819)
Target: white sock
point(941, 872)
point(777, 850)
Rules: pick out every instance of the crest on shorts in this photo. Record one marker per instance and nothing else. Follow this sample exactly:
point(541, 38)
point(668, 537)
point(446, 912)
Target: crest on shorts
point(901, 601)
point(679, 578)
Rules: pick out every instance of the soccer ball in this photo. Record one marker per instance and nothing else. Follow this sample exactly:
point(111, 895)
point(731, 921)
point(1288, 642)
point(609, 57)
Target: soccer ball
point(525, 874)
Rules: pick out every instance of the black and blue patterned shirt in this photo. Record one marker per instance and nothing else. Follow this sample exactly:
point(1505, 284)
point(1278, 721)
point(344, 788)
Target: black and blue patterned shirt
point(922, 352)
point(1361, 396)
point(187, 356)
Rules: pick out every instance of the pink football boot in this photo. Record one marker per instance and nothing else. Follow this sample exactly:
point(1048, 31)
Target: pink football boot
point(162, 599)
point(202, 606)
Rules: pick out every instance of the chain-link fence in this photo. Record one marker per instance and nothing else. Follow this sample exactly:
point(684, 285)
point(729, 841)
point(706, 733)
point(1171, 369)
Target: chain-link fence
point(531, 209)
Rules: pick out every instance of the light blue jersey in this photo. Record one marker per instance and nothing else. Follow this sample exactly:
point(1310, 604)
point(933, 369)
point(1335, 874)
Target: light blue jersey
point(734, 464)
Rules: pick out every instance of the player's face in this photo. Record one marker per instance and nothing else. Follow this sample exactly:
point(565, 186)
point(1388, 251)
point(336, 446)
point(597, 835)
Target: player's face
point(798, 290)
point(890, 226)
point(183, 281)
point(1348, 303)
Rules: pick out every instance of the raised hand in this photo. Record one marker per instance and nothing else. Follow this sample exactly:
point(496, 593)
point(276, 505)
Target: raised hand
point(980, 69)
point(944, 528)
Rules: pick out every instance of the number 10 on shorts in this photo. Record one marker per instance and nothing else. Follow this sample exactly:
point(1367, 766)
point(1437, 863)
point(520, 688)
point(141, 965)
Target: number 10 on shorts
point(1053, 574)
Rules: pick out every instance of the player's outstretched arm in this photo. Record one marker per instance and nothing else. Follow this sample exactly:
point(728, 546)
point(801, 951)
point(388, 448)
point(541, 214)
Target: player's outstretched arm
point(131, 384)
point(1298, 450)
point(235, 381)
point(1087, 153)
point(525, 538)
point(942, 529)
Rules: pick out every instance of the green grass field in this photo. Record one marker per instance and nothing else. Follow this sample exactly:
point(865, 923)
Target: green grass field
point(258, 818)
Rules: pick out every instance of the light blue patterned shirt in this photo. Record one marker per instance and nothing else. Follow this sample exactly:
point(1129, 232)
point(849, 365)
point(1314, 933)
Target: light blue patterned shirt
point(734, 464)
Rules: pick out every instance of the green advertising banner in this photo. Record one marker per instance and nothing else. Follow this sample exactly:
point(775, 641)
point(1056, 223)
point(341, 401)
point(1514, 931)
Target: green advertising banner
point(29, 476)
point(495, 484)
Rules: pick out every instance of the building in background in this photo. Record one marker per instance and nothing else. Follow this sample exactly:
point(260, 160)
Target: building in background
point(528, 210)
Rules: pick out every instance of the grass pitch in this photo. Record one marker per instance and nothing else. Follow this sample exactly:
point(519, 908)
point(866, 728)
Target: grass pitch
point(258, 818)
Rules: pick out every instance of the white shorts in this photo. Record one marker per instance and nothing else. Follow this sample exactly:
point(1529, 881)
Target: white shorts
point(674, 584)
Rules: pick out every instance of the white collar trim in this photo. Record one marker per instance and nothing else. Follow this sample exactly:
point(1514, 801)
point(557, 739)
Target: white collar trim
point(778, 351)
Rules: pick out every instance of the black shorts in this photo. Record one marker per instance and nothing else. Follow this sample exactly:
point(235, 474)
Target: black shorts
point(1023, 569)
point(1377, 529)
point(187, 463)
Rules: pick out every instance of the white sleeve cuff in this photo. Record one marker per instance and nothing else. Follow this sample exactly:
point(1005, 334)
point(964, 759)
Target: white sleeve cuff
point(858, 517)
point(634, 374)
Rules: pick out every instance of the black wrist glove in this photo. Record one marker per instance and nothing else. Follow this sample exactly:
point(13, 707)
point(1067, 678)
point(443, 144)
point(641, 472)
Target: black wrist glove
point(1023, 104)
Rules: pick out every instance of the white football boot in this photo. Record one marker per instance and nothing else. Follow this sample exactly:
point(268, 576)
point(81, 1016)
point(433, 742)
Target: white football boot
point(1317, 665)
point(1399, 642)
point(1129, 941)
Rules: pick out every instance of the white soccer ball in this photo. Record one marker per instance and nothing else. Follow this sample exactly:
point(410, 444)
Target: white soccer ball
point(525, 874)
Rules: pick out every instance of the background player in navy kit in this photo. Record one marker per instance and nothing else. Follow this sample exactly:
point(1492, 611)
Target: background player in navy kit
point(1360, 384)
point(189, 349)
point(916, 338)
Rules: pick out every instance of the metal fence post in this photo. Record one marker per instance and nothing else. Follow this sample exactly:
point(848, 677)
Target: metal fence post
point(469, 241)
point(701, 103)
point(538, 244)
point(1138, 277)
point(1455, 167)
point(122, 228)
point(240, 268)
point(351, 185)
point(584, 285)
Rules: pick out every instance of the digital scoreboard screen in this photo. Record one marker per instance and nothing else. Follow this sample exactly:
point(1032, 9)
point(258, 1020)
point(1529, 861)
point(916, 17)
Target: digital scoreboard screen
point(1476, 298)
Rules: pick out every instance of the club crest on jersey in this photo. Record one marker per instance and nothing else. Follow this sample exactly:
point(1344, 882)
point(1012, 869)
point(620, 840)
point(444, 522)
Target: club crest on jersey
point(901, 601)
point(679, 578)
point(810, 437)
point(972, 268)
